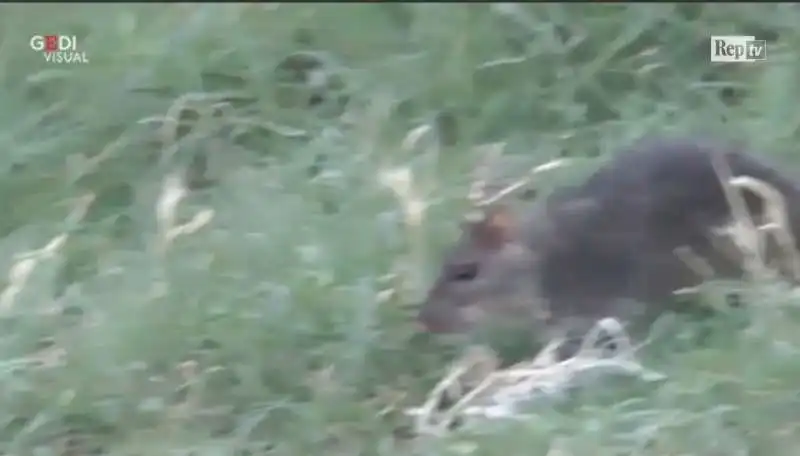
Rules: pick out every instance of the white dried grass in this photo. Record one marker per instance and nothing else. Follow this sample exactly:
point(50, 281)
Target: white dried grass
point(504, 394)
point(26, 262)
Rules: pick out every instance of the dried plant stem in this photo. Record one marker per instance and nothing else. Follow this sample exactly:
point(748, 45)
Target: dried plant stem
point(778, 222)
point(523, 182)
point(173, 191)
point(500, 392)
point(745, 234)
point(26, 262)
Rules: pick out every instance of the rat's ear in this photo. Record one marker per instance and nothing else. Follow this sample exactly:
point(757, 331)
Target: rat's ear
point(493, 227)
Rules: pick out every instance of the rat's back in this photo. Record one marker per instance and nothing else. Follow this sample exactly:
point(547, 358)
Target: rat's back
point(658, 196)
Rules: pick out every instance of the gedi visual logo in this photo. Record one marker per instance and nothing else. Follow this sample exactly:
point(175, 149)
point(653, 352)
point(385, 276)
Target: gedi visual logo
point(58, 48)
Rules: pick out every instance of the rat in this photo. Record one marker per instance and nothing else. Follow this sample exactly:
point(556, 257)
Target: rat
point(602, 248)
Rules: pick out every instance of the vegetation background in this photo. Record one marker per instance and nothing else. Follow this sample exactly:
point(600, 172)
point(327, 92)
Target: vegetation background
point(267, 328)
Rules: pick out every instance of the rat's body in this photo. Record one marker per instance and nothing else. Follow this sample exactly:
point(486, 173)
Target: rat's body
point(602, 248)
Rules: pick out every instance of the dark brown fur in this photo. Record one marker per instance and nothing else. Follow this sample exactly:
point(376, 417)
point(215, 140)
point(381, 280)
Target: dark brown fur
point(603, 248)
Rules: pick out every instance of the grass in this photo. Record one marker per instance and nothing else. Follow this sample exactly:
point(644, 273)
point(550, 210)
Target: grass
point(269, 330)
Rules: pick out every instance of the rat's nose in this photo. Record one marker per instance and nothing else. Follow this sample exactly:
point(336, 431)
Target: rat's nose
point(424, 322)
point(432, 322)
point(421, 326)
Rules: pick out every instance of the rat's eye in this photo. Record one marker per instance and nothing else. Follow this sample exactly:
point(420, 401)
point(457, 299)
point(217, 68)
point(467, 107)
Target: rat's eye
point(464, 272)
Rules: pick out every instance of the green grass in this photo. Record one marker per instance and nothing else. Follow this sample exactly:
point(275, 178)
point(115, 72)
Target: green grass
point(262, 330)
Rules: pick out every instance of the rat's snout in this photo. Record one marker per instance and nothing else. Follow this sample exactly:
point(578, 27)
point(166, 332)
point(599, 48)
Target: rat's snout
point(438, 313)
point(426, 321)
point(434, 319)
point(429, 319)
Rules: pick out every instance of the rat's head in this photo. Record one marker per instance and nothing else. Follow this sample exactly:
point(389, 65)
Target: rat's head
point(488, 276)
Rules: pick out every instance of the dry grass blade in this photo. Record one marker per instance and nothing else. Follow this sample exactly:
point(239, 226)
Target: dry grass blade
point(523, 182)
point(777, 221)
point(400, 181)
point(169, 127)
point(502, 392)
point(488, 154)
point(745, 233)
point(26, 262)
point(415, 136)
point(695, 262)
point(173, 191)
point(204, 104)
point(402, 184)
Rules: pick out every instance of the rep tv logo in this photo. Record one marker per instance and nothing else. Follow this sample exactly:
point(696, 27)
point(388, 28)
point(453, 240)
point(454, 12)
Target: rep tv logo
point(738, 49)
point(58, 48)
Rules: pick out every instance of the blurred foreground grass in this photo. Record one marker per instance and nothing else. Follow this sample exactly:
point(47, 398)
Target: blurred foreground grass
point(262, 331)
